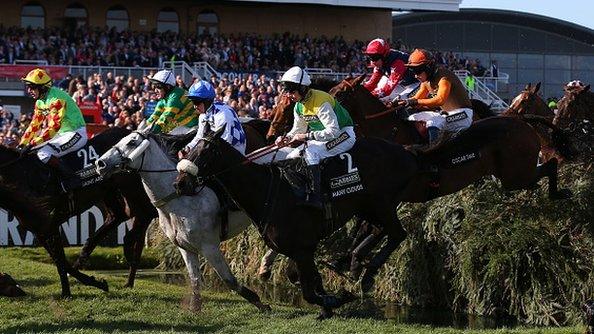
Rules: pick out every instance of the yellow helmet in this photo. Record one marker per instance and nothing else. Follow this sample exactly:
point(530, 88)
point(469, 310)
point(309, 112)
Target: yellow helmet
point(39, 77)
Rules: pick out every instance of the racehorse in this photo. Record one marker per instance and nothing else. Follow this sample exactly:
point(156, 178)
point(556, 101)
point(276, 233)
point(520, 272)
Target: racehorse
point(193, 223)
point(370, 115)
point(528, 102)
point(32, 192)
point(9, 287)
point(294, 230)
point(576, 115)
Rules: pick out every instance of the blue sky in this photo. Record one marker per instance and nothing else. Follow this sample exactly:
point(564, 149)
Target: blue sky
point(575, 11)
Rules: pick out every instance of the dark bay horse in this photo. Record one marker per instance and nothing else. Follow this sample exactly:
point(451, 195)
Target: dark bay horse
point(576, 115)
point(294, 230)
point(31, 191)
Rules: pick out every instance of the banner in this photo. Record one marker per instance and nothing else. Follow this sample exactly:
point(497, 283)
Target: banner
point(75, 231)
point(92, 112)
point(19, 71)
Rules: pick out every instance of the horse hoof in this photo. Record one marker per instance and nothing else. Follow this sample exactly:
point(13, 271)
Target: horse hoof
point(103, 285)
point(263, 307)
point(561, 194)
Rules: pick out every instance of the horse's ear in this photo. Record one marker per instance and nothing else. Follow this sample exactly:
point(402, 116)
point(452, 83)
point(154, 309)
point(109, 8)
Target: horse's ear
point(527, 88)
point(536, 88)
point(587, 87)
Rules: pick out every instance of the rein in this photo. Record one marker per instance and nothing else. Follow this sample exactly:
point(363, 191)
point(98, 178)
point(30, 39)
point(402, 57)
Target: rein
point(383, 113)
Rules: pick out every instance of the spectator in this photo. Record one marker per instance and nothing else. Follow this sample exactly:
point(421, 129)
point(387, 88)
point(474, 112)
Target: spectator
point(470, 82)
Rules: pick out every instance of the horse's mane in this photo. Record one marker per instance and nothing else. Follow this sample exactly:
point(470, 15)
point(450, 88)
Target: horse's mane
point(171, 144)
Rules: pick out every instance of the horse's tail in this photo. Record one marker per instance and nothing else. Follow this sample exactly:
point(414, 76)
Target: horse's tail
point(560, 138)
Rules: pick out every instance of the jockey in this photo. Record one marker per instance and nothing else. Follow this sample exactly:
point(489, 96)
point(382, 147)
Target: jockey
point(57, 122)
point(389, 62)
point(450, 96)
point(320, 121)
point(213, 116)
point(173, 113)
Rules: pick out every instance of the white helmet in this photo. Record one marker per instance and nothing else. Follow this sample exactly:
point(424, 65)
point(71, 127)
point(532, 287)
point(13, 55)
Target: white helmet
point(164, 77)
point(297, 75)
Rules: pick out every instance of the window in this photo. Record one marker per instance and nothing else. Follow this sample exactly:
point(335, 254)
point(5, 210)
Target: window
point(32, 15)
point(77, 14)
point(208, 23)
point(167, 20)
point(117, 17)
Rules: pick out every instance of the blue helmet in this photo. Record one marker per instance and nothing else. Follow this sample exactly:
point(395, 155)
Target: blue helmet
point(201, 90)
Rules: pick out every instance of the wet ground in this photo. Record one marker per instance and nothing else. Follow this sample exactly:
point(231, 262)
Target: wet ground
point(363, 308)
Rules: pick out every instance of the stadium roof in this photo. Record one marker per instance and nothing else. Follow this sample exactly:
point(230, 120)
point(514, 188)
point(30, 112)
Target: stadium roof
point(545, 23)
point(401, 5)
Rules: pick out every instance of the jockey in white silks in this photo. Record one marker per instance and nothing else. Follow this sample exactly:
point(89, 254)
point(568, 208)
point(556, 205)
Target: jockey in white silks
point(213, 116)
point(325, 127)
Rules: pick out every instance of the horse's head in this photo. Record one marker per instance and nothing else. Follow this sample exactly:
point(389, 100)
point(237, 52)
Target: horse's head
point(9, 287)
point(124, 154)
point(528, 102)
point(282, 118)
point(208, 158)
point(576, 105)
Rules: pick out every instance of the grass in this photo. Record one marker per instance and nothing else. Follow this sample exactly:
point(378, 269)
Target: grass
point(155, 307)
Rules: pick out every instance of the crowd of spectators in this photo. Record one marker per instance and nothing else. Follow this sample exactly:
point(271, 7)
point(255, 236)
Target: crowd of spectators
point(126, 101)
point(108, 47)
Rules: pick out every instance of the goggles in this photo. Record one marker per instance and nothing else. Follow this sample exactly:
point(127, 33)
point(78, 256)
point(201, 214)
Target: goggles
point(419, 69)
point(374, 57)
point(291, 87)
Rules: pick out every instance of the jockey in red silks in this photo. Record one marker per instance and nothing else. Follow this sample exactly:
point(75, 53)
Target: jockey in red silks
point(400, 84)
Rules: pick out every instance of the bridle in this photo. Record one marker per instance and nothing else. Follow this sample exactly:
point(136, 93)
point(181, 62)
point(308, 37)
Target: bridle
point(140, 169)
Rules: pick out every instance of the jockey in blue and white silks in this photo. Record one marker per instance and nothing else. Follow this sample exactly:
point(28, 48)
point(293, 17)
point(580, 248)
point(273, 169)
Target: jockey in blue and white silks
point(213, 116)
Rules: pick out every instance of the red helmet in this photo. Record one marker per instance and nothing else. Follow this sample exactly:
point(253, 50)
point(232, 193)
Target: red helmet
point(377, 47)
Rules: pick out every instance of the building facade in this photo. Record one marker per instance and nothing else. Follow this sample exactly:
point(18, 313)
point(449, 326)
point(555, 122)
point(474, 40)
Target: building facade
point(530, 48)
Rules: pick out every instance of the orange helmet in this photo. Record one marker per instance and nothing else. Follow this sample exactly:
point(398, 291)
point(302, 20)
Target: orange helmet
point(377, 47)
point(419, 57)
point(38, 77)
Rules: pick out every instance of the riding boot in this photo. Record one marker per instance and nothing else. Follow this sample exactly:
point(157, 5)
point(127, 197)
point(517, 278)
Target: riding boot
point(433, 134)
point(68, 178)
point(313, 198)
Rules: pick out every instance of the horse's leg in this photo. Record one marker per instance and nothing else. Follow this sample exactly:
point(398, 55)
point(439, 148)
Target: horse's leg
point(550, 170)
point(213, 255)
point(364, 248)
point(265, 270)
point(312, 288)
point(193, 265)
point(92, 242)
point(134, 245)
point(396, 234)
point(59, 262)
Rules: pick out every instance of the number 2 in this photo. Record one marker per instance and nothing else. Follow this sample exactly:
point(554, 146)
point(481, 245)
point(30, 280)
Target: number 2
point(350, 168)
point(87, 157)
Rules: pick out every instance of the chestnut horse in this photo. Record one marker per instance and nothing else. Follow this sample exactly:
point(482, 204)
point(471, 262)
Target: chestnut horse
point(576, 115)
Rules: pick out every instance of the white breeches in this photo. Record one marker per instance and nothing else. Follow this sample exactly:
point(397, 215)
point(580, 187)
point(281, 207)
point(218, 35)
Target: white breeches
point(454, 121)
point(62, 144)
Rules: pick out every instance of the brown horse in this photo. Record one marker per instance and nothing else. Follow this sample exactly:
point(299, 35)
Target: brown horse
point(9, 287)
point(576, 115)
point(528, 102)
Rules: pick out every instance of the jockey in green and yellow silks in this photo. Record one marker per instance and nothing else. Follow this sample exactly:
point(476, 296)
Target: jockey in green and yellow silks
point(174, 113)
point(320, 121)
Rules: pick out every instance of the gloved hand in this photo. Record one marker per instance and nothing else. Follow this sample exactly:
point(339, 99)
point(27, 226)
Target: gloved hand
point(378, 93)
point(281, 139)
point(24, 149)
